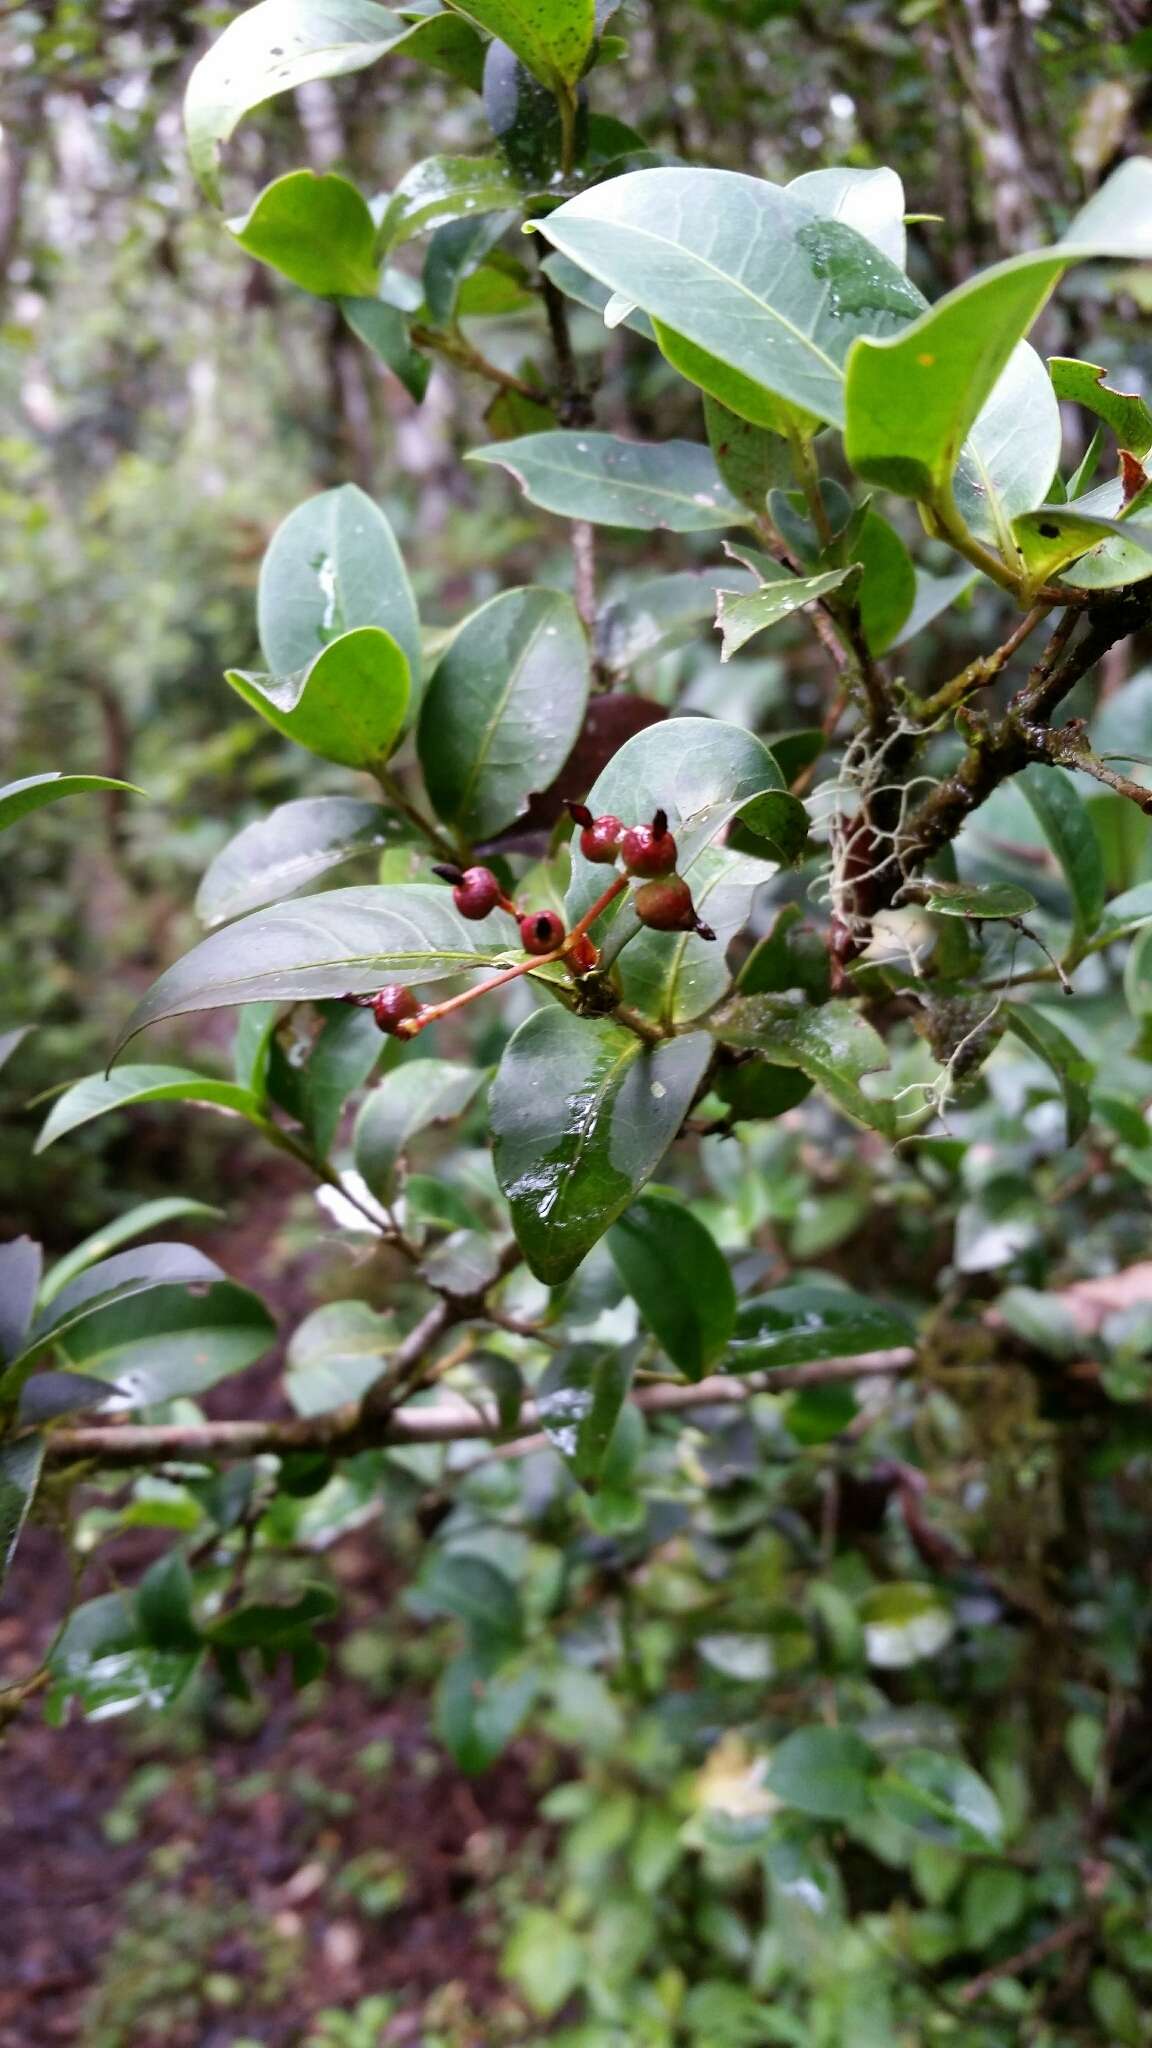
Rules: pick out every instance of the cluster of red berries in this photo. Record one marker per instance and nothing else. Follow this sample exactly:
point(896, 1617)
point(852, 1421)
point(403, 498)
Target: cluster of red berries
point(647, 852)
point(647, 855)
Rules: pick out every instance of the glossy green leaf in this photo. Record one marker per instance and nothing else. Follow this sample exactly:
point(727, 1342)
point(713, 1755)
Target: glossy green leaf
point(552, 37)
point(679, 1279)
point(336, 1354)
point(172, 1342)
point(20, 1463)
point(348, 705)
point(742, 270)
point(822, 1771)
point(503, 709)
point(478, 1710)
point(582, 1112)
point(1121, 554)
point(21, 1264)
point(31, 794)
point(343, 1056)
point(701, 771)
point(454, 252)
point(98, 1094)
point(344, 941)
point(751, 460)
point(940, 1797)
point(741, 618)
point(103, 1664)
point(676, 976)
point(285, 852)
point(135, 1222)
point(385, 330)
point(1037, 1031)
point(1068, 828)
point(872, 202)
point(111, 1282)
point(447, 188)
point(812, 1320)
point(1126, 413)
point(406, 1101)
point(316, 230)
point(674, 485)
point(578, 1402)
point(446, 43)
point(833, 1044)
point(269, 49)
point(913, 397)
point(979, 900)
point(475, 1592)
point(332, 565)
point(1009, 459)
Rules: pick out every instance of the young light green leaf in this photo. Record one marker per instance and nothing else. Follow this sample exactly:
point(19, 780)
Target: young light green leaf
point(812, 1320)
point(20, 1463)
point(98, 1094)
point(552, 37)
point(281, 854)
point(745, 273)
point(872, 202)
point(332, 565)
point(1010, 457)
point(503, 708)
point(31, 794)
point(1070, 833)
point(679, 1279)
point(1053, 536)
point(1074, 1073)
point(170, 1343)
point(912, 397)
point(135, 1222)
point(404, 1102)
point(740, 618)
point(316, 230)
point(336, 1354)
point(578, 1402)
point(344, 941)
point(1123, 411)
point(833, 1044)
point(582, 1112)
point(348, 705)
point(671, 485)
point(443, 189)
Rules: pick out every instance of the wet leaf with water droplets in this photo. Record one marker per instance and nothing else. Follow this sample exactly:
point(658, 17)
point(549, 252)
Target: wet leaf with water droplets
point(331, 565)
point(814, 1320)
point(579, 1401)
point(833, 1044)
point(674, 485)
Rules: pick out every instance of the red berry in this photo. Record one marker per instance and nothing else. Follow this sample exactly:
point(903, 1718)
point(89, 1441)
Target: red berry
point(600, 841)
point(476, 891)
point(392, 1008)
point(667, 906)
point(541, 931)
point(649, 849)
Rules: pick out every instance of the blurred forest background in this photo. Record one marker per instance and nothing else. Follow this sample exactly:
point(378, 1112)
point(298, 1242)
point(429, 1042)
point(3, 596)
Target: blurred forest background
point(163, 404)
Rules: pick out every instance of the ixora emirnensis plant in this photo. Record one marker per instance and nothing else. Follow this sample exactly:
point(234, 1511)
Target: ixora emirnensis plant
point(609, 929)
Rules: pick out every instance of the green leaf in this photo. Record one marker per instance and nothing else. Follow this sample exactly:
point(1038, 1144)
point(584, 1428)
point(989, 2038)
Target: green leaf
point(1123, 411)
point(284, 853)
point(980, 900)
point(913, 397)
point(332, 565)
point(1009, 459)
point(475, 1592)
point(477, 1710)
point(344, 941)
point(10, 1041)
point(164, 1604)
point(1073, 1072)
point(553, 38)
point(503, 708)
point(316, 230)
point(751, 460)
point(121, 1230)
point(576, 284)
point(447, 43)
point(269, 49)
point(102, 1662)
point(833, 1044)
point(872, 202)
point(994, 1898)
point(20, 1462)
point(743, 271)
point(888, 583)
point(385, 330)
point(701, 771)
point(1121, 554)
point(740, 618)
point(348, 705)
point(578, 1402)
point(822, 1771)
point(98, 1094)
point(903, 1622)
point(453, 254)
point(676, 976)
point(669, 485)
point(273, 1625)
point(941, 1798)
point(582, 1112)
point(18, 798)
point(404, 1102)
point(1053, 536)
point(1129, 910)
point(812, 1320)
point(336, 1354)
point(171, 1343)
point(447, 188)
point(679, 1279)
point(340, 1062)
point(113, 1281)
point(657, 615)
point(21, 1264)
point(545, 1960)
point(1068, 828)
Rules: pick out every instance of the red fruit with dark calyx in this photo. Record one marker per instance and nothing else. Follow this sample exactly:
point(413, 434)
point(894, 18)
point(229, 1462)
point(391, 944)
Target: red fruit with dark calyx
point(541, 931)
point(393, 1008)
point(666, 906)
point(475, 891)
point(649, 850)
point(599, 837)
